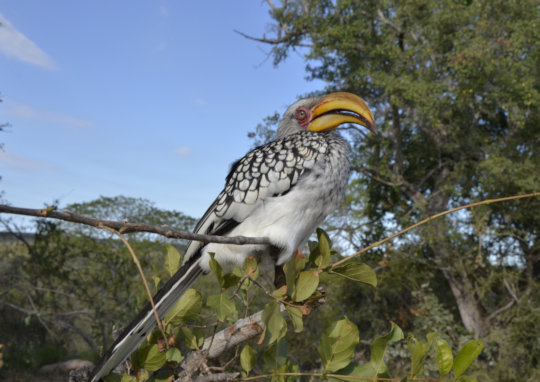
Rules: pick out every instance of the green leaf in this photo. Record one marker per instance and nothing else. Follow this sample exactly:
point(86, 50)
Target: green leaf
point(378, 348)
point(223, 307)
point(216, 269)
point(193, 339)
point(296, 318)
point(356, 271)
point(174, 355)
point(125, 378)
point(138, 356)
point(355, 370)
point(172, 260)
point(275, 326)
point(468, 353)
point(337, 345)
point(142, 375)
point(162, 375)
point(320, 254)
point(276, 356)
point(250, 268)
point(187, 308)
point(443, 355)
point(418, 355)
point(247, 358)
point(292, 268)
point(149, 357)
point(307, 283)
point(280, 292)
point(225, 281)
point(156, 281)
point(466, 379)
point(430, 337)
point(230, 280)
point(116, 378)
point(376, 366)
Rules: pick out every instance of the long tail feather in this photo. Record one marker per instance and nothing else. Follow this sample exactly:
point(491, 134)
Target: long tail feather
point(142, 325)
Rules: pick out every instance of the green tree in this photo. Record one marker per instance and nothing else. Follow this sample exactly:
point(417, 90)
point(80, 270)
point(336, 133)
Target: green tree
point(454, 86)
point(64, 288)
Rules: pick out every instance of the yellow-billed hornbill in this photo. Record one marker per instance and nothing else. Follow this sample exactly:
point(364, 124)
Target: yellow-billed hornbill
point(281, 190)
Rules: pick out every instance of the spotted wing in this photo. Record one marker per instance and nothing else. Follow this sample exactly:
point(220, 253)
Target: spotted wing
point(268, 171)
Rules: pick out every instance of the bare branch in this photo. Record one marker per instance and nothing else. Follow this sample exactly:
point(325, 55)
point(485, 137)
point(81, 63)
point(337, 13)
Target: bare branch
point(272, 41)
point(126, 227)
point(384, 20)
point(47, 314)
point(217, 377)
point(499, 311)
point(510, 290)
point(83, 334)
point(242, 330)
point(374, 175)
point(63, 367)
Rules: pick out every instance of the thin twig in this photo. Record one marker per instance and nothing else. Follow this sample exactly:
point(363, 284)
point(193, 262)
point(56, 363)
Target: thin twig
point(273, 41)
point(283, 301)
point(139, 267)
point(436, 216)
point(47, 314)
point(217, 377)
point(324, 375)
point(126, 227)
point(37, 314)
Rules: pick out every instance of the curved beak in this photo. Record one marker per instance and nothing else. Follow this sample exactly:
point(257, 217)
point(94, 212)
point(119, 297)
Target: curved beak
point(338, 108)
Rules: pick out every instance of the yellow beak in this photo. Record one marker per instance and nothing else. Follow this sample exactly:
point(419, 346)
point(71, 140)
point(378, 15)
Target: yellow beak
point(338, 108)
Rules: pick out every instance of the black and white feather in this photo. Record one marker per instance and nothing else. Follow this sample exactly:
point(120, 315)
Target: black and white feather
point(282, 190)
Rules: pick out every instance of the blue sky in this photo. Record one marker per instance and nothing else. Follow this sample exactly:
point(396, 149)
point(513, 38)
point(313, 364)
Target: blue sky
point(148, 99)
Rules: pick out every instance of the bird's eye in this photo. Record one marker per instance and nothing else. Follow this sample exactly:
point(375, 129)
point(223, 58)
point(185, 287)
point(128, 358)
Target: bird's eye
point(301, 114)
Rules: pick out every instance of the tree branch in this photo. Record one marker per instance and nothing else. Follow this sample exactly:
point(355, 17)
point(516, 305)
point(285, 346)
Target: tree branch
point(214, 346)
point(126, 227)
point(47, 314)
point(273, 41)
point(243, 330)
point(217, 377)
point(384, 20)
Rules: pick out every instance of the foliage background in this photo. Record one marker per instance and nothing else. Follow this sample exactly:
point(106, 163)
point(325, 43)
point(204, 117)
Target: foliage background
point(454, 87)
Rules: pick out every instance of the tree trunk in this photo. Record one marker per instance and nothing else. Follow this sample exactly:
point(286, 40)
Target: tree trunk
point(453, 266)
point(468, 307)
point(454, 269)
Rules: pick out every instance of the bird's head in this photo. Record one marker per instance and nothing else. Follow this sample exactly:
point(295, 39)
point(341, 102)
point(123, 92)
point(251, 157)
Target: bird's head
point(324, 114)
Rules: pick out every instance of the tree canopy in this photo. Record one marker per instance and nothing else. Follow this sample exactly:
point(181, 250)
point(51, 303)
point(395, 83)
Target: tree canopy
point(454, 88)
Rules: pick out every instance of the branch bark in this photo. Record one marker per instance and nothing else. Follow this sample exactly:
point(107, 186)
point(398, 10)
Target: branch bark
point(214, 346)
point(217, 377)
point(242, 330)
point(126, 227)
point(273, 41)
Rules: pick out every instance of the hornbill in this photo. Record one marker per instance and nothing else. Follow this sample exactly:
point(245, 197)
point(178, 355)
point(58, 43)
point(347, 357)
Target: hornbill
point(281, 190)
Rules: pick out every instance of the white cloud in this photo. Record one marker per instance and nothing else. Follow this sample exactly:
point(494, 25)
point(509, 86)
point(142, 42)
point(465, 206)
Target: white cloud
point(183, 151)
point(19, 163)
point(199, 101)
point(16, 45)
point(18, 110)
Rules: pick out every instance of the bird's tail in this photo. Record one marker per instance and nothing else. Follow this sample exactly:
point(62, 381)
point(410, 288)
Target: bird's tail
point(145, 321)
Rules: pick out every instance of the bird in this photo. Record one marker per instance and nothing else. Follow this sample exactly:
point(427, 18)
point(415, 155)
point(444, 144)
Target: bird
point(282, 190)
